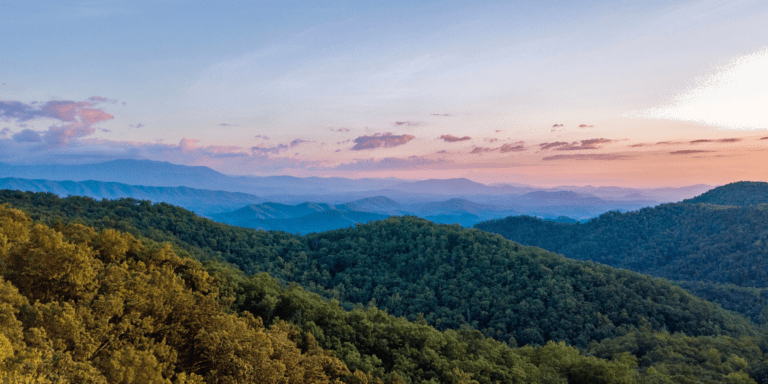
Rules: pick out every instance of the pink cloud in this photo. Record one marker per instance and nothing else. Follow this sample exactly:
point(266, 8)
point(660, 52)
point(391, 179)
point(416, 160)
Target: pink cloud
point(505, 148)
point(92, 116)
point(552, 145)
point(453, 139)
point(407, 123)
point(688, 152)
point(482, 149)
point(585, 126)
point(512, 147)
point(186, 145)
point(386, 140)
point(81, 116)
point(575, 146)
point(277, 148)
point(584, 144)
point(604, 157)
point(61, 135)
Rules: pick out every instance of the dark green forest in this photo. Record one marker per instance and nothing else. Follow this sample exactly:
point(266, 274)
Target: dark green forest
point(712, 244)
point(407, 300)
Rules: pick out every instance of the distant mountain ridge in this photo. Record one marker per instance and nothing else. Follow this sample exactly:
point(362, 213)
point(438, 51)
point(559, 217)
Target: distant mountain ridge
point(293, 190)
point(198, 200)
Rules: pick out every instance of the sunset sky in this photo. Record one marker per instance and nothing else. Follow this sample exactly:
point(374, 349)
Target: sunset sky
point(626, 93)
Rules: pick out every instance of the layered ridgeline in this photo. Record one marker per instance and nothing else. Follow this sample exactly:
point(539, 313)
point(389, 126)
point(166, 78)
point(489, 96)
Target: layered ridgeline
point(714, 243)
point(83, 306)
point(202, 201)
point(411, 267)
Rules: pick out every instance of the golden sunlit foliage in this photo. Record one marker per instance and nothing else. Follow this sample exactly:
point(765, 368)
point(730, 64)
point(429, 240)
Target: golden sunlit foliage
point(85, 307)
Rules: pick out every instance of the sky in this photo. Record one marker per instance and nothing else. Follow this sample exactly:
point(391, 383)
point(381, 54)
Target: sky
point(625, 93)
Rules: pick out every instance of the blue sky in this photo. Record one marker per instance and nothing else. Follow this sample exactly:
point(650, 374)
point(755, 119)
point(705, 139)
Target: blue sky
point(387, 88)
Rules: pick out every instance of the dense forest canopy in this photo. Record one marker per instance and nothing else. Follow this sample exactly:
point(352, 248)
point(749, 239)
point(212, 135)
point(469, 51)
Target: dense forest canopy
point(629, 328)
point(410, 266)
point(675, 241)
point(711, 249)
point(87, 306)
point(742, 193)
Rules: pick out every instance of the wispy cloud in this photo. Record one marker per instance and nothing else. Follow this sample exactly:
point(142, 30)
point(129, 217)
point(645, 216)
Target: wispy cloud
point(407, 123)
point(227, 125)
point(340, 129)
point(729, 140)
point(137, 126)
point(412, 162)
point(764, 138)
point(277, 148)
point(554, 144)
point(441, 114)
point(576, 146)
point(481, 149)
point(602, 157)
point(585, 126)
point(688, 152)
point(5, 132)
point(453, 139)
point(261, 137)
point(505, 148)
point(102, 99)
point(386, 140)
point(512, 147)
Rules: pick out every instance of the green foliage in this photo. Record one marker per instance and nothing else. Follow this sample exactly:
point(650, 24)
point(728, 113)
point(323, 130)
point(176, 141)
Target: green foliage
point(742, 193)
point(686, 242)
point(408, 266)
point(137, 306)
point(82, 306)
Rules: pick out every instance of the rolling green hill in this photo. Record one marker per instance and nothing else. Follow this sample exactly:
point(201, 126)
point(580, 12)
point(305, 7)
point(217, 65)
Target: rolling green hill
point(110, 308)
point(642, 330)
point(713, 241)
point(408, 266)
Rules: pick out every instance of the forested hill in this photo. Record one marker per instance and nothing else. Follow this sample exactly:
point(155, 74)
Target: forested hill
point(714, 244)
point(742, 193)
point(680, 241)
point(94, 307)
point(410, 266)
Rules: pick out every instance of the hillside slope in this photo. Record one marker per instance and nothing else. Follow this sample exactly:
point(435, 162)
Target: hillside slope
point(109, 308)
point(713, 244)
point(409, 266)
point(742, 194)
